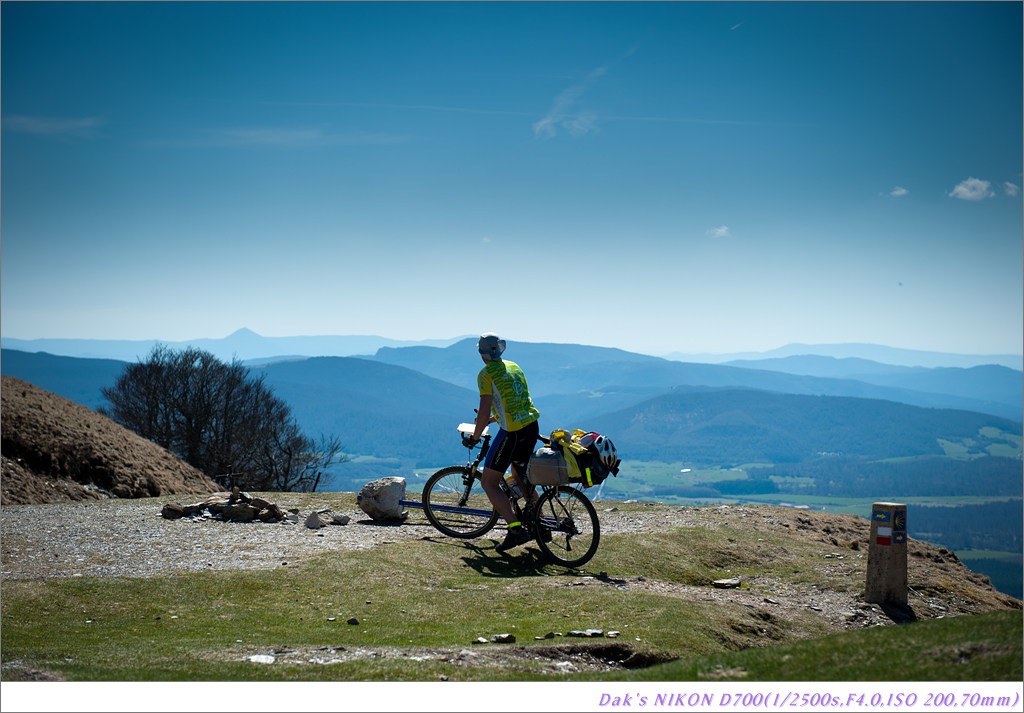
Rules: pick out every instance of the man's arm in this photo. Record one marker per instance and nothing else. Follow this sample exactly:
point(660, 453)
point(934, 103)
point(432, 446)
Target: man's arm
point(483, 415)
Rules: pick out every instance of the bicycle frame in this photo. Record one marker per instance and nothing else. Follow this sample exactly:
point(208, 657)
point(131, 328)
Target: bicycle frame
point(474, 474)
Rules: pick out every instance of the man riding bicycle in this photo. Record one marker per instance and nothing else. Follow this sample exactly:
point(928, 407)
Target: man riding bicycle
point(505, 398)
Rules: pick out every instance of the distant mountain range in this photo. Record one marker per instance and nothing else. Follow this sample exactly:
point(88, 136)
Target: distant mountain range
point(243, 344)
point(248, 345)
point(575, 381)
point(405, 402)
point(78, 380)
point(376, 409)
point(872, 352)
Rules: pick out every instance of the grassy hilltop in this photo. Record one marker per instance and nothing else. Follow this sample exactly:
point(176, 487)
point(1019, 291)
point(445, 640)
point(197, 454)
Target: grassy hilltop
point(422, 600)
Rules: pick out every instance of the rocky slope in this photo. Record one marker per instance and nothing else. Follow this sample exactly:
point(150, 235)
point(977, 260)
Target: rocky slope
point(54, 450)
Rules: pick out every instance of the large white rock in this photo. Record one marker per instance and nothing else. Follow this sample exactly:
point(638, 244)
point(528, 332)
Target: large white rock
point(381, 499)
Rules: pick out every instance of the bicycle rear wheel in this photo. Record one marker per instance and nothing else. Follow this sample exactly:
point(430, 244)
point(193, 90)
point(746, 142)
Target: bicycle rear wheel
point(455, 503)
point(571, 520)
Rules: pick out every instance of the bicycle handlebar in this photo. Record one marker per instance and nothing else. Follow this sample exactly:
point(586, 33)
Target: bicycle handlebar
point(468, 442)
point(485, 439)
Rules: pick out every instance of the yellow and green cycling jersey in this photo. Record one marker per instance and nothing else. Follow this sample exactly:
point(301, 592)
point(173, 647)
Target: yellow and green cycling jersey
point(506, 382)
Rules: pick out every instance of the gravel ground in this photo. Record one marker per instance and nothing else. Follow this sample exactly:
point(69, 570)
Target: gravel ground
point(129, 538)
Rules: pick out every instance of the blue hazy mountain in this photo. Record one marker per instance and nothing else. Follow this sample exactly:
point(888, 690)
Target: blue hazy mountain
point(243, 344)
point(78, 380)
point(731, 426)
point(380, 408)
point(546, 365)
point(584, 381)
point(246, 345)
point(376, 409)
point(872, 352)
point(997, 386)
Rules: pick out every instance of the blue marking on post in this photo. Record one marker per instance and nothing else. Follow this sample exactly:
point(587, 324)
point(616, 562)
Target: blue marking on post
point(899, 520)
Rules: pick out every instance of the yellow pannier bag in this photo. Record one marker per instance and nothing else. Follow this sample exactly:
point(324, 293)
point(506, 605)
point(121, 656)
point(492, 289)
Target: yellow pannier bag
point(582, 465)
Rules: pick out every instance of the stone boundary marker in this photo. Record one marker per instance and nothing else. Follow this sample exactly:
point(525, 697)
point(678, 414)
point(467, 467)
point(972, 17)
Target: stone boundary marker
point(887, 555)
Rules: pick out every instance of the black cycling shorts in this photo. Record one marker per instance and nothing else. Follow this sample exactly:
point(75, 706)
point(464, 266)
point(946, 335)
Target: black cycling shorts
point(512, 447)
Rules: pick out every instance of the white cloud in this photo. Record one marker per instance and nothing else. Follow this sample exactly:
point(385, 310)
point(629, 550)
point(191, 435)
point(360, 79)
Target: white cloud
point(48, 126)
point(722, 231)
point(1012, 189)
point(973, 189)
point(582, 124)
point(563, 113)
point(898, 192)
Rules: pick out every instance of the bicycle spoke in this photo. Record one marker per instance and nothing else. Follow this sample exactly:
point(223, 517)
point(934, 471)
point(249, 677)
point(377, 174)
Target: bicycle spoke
point(568, 517)
point(455, 503)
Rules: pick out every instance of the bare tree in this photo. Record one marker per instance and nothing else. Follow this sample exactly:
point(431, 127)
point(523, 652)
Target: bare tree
point(219, 418)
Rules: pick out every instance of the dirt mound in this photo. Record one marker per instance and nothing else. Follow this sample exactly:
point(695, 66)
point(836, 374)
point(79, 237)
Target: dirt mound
point(54, 450)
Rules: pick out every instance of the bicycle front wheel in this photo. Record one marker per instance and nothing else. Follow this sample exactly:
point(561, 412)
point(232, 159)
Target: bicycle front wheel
point(455, 503)
point(569, 518)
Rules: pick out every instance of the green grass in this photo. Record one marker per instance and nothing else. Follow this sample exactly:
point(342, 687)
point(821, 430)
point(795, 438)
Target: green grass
point(990, 441)
point(983, 647)
point(442, 594)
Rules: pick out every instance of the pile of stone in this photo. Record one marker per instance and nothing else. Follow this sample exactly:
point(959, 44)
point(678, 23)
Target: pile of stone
point(324, 517)
point(236, 506)
point(578, 633)
point(383, 500)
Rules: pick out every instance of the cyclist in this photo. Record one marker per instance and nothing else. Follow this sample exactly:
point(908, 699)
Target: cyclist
point(504, 398)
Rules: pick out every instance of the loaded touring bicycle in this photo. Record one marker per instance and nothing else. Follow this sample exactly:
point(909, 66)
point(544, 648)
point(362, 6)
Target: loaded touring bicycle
point(561, 517)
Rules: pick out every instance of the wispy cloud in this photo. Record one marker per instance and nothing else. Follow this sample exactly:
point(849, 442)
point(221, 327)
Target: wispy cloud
point(83, 127)
point(564, 114)
point(972, 189)
point(898, 192)
point(1011, 189)
point(722, 231)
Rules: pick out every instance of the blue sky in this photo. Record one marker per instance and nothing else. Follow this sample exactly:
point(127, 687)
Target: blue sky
point(660, 177)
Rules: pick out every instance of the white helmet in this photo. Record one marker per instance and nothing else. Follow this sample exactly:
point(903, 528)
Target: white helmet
point(606, 451)
point(490, 346)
